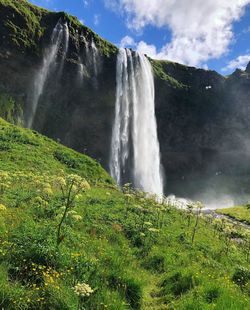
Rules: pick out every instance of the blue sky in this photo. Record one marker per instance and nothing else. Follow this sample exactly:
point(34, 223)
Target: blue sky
point(212, 34)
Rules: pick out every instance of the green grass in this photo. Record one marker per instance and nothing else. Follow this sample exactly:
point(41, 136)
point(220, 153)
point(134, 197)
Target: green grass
point(22, 23)
point(160, 72)
point(240, 213)
point(133, 252)
point(26, 150)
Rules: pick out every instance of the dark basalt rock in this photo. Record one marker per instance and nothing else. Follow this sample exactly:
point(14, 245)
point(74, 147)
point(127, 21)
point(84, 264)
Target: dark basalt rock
point(248, 68)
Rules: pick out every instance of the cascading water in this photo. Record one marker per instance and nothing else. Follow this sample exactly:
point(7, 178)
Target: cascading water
point(135, 151)
point(59, 32)
point(95, 57)
point(84, 60)
point(91, 61)
point(65, 47)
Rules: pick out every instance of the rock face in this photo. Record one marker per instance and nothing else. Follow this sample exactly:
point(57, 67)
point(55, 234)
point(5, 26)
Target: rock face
point(203, 118)
point(76, 107)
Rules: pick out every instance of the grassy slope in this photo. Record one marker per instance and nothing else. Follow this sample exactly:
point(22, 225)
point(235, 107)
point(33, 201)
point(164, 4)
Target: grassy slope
point(26, 150)
point(240, 213)
point(112, 247)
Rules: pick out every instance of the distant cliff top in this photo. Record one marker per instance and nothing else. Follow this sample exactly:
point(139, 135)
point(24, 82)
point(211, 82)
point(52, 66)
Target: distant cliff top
point(25, 26)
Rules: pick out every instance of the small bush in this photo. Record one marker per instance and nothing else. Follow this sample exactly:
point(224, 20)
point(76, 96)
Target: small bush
point(241, 276)
point(66, 159)
point(134, 237)
point(5, 147)
point(212, 295)
point(178, 284)
point(155, 263)
point(129, 287)
point(133, 293)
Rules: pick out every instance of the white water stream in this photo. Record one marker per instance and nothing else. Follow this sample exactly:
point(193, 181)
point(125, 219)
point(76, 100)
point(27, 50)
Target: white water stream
point(60, 33)
point(135, 151)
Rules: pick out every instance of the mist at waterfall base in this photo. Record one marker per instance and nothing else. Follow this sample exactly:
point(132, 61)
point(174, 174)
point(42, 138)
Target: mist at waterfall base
point(223, 181)
point(135, 151)
point(228, 184)
point(216, 186)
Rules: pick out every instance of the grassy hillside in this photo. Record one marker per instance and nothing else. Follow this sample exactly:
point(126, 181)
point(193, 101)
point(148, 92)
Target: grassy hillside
point(240, 213)
point(114, 249)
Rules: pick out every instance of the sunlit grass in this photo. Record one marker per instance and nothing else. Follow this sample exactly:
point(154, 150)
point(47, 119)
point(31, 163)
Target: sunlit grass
point(240, 213)
point(133, 252)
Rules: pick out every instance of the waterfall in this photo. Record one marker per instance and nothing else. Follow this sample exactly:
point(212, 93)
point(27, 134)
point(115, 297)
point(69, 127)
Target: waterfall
point(90, 62)
point(59, 33)
point(95, 58)
point(65, 48)
point(135, 151)
point(81, 71)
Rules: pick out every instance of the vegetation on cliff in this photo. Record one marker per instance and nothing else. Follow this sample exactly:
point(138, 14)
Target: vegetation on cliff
point(160, 72)
point(10, 109)
point(116, 249)
point(25, 26)
point(22, 23)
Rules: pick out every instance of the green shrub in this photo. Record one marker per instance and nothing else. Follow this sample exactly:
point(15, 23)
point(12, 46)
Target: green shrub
point(66, 159)
point(155, 263)
point(212, 294)
point(4, 147)
point(133, 293)
point(241, 276)
point(178, 284)
point(10, 110)
point(13, 135)
point(129, 287)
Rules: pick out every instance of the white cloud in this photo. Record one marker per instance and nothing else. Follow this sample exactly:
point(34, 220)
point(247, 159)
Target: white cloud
point(239, 62)
point(142, 47)
point(205, 67)
point(201, 30)
point(96, 19)
point(147, 49)
point(127, 41)
point(86, 3)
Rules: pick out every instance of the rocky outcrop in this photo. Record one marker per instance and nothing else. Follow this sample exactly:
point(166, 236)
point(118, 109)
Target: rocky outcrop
point(203, 118)
point(204, 131)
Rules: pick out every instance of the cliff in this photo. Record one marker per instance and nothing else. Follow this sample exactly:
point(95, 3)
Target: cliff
point(203, 122)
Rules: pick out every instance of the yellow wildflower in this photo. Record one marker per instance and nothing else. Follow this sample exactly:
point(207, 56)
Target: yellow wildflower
point(2, 207)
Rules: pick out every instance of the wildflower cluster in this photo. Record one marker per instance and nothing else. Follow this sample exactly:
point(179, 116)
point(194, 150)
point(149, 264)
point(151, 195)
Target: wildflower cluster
point(72, 182)
point(49, 276)
point(2, 207)
point(4, 181)
point(5, 247)
point(83, 290)
point(70, 186)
